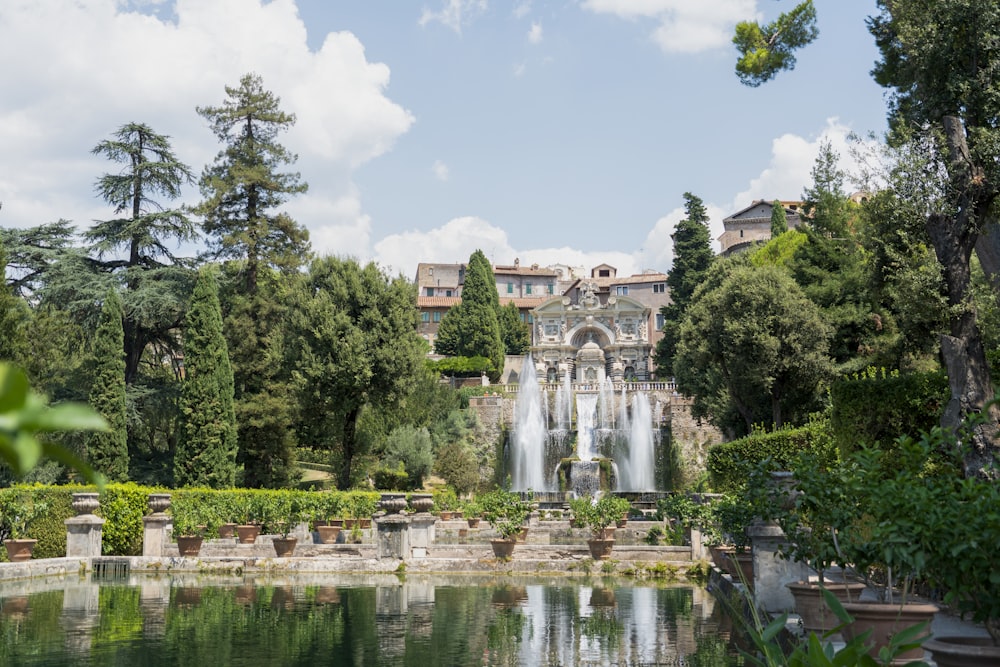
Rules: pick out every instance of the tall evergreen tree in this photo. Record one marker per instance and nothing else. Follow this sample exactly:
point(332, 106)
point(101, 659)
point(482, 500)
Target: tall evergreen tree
point(692, 258)
point(472, 328)
point(825, 204)
point(779, 220)
point(14, 314)
point(107, 452)
point(206, 452)
point(244, 188)
point(516, 334)
point(157, 283)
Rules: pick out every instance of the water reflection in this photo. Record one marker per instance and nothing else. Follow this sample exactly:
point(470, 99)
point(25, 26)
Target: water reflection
point(370, 620)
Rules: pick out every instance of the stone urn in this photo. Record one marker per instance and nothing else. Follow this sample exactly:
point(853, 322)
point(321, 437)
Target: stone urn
point(393, 503)
point(158, 503)
point(85, 503)
point(421, 502)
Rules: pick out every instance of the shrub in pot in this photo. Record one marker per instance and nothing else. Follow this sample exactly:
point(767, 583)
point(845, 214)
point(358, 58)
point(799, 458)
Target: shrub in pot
point(598, 517)
point(506, 512)
point(290, 509)
point(473, 512)
point(18, 509)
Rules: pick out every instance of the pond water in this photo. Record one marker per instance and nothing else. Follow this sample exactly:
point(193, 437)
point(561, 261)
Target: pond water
point(360, 620)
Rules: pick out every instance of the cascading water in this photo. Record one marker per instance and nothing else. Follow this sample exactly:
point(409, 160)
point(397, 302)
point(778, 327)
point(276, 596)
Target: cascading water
point(586, 417)
point(564, 404)
point(636, 471)
point(530, 434)
point(606, 403)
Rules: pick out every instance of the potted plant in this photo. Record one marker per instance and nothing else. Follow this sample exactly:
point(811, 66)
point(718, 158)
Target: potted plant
point(473, 512)
point(192, 520)
point(247, 509)
point(598, 517)
point(734, 513)
point(18, 509)
point(290, 510)
point(329, 505)
point(445, 502)
point(506, 512)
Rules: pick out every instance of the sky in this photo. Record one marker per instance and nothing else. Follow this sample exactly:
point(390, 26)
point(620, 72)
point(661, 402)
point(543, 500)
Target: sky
point(562, 131)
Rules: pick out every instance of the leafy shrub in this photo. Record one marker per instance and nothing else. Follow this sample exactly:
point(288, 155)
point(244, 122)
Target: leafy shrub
point(410, 447)
point(730, 464)
point(876, 407)
point(122, 507)
point(391, 479)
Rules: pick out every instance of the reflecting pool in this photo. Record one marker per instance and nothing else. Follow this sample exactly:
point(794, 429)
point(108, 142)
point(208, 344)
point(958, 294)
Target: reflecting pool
point(360, 620)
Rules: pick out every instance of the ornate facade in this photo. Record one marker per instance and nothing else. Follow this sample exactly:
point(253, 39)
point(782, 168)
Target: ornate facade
point(591, 338)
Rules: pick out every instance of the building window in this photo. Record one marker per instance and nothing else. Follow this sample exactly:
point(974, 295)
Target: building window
point(430, 291)
point(741, 233)
point(604, 273)
point(552, 288)
point(522, 317)
point(527, 288)
point(531, 319)
point(659, 288)
point(510, 288)
point(621, 290)
point(659, 321)
point(437, 316)
point(425, 316)
point(447, 292)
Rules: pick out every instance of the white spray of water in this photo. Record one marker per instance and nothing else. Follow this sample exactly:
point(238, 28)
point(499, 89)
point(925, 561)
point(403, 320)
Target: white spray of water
point(636, 471)
point(530, 432)
point(607, 404)
point(564, 404)
point(586, 416)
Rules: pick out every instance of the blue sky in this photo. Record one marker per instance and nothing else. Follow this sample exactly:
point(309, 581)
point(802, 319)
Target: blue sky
point(561, 131)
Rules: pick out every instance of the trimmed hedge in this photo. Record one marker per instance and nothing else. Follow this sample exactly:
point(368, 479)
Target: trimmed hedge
point(730, 464)
point(876, 407)
point(124, 505)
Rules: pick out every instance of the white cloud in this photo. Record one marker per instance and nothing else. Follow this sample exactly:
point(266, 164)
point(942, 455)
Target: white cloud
point(535, 33)
point(440, 170)
point(455, 14)
point(522, 9)
point(682, 25)
point(85, 67)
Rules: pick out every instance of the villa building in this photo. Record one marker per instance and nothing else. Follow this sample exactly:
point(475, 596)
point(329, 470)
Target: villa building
point(753, 225)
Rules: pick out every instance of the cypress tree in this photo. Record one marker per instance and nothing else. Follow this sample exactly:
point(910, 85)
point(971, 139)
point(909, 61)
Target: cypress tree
point(779, 220)
point(107, 451)
point(206, 452)
point(14, 314)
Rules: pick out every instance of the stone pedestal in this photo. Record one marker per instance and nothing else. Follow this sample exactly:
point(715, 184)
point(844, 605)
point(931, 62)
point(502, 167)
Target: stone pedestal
point(698, 550)
point(84, 531)
point(154, 531)
point(421, 533)
point(392, 536)
point(771, 571)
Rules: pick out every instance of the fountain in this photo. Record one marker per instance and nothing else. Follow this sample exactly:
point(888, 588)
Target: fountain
point(610, 445)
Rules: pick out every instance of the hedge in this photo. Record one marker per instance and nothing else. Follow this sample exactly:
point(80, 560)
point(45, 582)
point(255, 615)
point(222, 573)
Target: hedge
point(876, 407)
point(124, 505)
point(730, 463)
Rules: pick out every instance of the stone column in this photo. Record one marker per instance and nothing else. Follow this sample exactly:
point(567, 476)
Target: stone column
point(84, 531)
point(154, 533)
point(771, 571)
point(421, 525)
point(392, 530)
point(698, 551)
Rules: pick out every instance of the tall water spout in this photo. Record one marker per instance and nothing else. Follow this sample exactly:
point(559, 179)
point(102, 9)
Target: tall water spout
point(607, 404)
point(564, 404)
point(586, 417)
point(530, 431)
point(636, 471)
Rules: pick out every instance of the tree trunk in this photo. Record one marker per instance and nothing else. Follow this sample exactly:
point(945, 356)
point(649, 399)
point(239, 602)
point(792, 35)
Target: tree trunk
point(954, 237)
point(349, 444)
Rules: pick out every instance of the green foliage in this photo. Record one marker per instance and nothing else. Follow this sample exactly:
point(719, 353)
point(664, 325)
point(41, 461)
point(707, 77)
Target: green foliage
point(123, 506)
point(730, 464)
point(206, 453)
point(18, 510)
point(779, 250)
point(391, 478)
point(768, 49)
point(733, 513)
point(107, 451)
point(409, 447)
point(456, 464)
point(505, 511)
point(873, 408)
point(14, 314)
point(24, 415)
point(516, 335)
point(461, 366)
point(779, 220)
point(606, 511)
point(445, 499)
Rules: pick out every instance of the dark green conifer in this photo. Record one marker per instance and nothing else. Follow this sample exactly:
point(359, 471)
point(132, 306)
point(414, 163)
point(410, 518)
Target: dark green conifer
point(107, 452)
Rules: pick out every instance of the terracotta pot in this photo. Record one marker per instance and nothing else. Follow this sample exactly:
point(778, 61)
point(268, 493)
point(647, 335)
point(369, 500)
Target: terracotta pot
point(720, 557)
point(473, 522)
point(602, 597)
point(621, 523)
point(328, 534)
point(606, 533)
point(503, 548)
point(365, 523)
point(508, 596)
point(811, 606)
point(446, 516)
point(189, 545)
point(349, 523)
point(522, 535)
point(885, 620)
point(338, 523)
point(19, 551)
point(285, 546)
point(15, 607)
point(963, 651)
point(248, 533)
point(227, 531)
point(600, 549)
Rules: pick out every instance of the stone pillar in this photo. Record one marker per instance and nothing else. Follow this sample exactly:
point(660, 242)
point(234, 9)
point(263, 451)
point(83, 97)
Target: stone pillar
point(770, 571)
point(84, 531)
point(698, 550)
point(392, 530)
point(421, 525)
point(154, 533)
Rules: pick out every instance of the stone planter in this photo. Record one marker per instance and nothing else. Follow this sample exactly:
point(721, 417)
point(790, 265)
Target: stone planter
point(446, 516)
point(473, 522)
point(328, 534)
point(885, 620)
point(227, 531)
point(963, 651)
point(189, 545)
point(503, 548)
point(248, 533)
point(810, 605)
point(19, 551)
point(600, 549)
point(285, 546)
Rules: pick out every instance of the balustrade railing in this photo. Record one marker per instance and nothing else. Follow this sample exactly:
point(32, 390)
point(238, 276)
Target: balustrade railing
point(593, 386)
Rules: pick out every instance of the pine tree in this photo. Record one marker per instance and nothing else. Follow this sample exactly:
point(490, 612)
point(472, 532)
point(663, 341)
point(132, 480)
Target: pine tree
point(779, 220)
point(206, 452)
point(692, 258)
point(14, 314)
point(107, 452)
point(243, 188)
